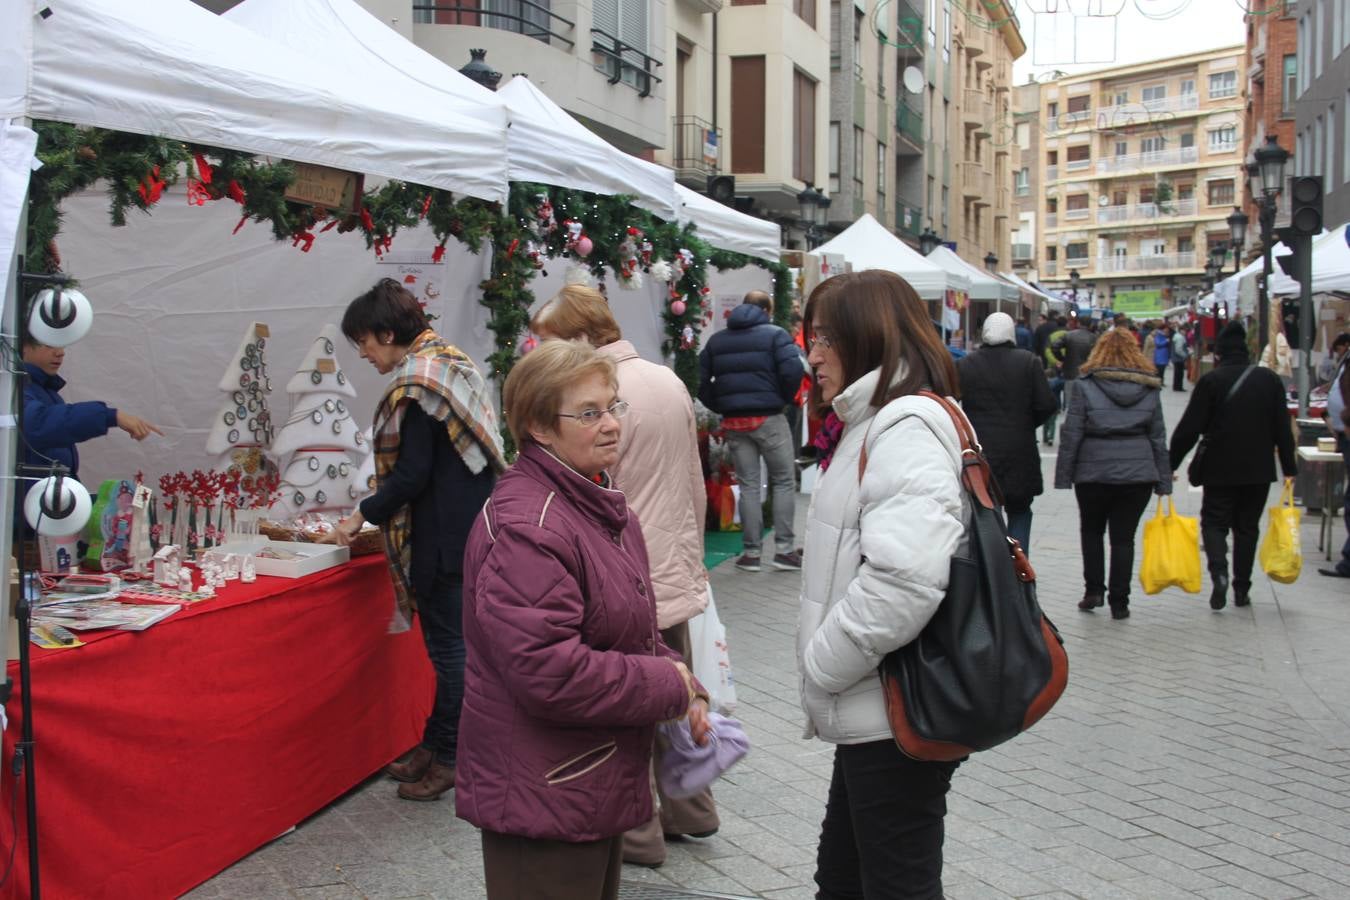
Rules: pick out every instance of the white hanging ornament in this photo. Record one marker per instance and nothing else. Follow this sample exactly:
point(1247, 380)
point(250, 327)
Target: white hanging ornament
point(661, 270)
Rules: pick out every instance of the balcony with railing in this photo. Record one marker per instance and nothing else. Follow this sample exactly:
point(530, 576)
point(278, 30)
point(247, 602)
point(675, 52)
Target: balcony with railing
point(1051, 173)
point(1151, 160)
point(1050, 268)
point(1125, 115)
point(1078, 165)
point(1077, 215)
point(908, 219)
point(1145, 211)
point(1157, 262)
point(909, 123)
point(909, 41)
point(1022, 189)
point(1021, 252)
point(532, 18)
point(696, 147)
point(977, 112)
point(976, 182)
point(624, 62)
point(1052, 220)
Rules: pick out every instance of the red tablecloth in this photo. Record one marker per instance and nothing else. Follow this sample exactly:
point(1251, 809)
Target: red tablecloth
point(164, 756)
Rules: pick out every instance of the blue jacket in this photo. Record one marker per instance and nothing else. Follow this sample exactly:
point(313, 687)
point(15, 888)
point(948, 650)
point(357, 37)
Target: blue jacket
point(752, 368)
point(1162, 348)
point(52, 427)
point(1023, 336)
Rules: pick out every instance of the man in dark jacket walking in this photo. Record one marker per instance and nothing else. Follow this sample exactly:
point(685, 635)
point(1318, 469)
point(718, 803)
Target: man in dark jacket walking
point(1006, 397)
point(1072, 349)
point(747, 374)
point(1242, 410)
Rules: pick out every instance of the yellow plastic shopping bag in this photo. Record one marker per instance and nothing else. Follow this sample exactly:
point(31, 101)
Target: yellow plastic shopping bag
point(1171, 552)
point(1280, 556)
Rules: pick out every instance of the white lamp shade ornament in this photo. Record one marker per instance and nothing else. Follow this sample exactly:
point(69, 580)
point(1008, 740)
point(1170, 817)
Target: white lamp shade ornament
point(58, 317)
point(57, 506)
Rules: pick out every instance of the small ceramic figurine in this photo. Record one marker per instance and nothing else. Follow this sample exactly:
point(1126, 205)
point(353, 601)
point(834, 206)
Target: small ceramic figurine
point(248, 572)
point(185, 579)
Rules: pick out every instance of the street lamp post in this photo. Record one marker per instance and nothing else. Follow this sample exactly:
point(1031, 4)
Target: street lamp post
point(811, 206)
point(929, 241)
point(1269, 169)
point(991, 261)
point(1073, 284)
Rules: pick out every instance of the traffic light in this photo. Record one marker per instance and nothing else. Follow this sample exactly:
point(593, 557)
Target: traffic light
point(722, 188)
point(1305, 204)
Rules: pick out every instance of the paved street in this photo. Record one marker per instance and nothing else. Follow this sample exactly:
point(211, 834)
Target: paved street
point(1195, 754)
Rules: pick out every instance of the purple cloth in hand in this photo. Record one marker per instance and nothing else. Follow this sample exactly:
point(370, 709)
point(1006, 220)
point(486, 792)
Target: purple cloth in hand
point(686, 768)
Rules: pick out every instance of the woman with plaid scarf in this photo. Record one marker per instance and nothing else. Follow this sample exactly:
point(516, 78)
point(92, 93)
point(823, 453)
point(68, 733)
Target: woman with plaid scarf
point(437, 454)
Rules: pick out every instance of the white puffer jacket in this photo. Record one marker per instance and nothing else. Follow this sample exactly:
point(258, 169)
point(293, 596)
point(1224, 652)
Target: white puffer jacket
point(877, 555)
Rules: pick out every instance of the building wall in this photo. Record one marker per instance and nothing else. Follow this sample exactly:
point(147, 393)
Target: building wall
point(1272, 38)
point(690, 27)
point(1322, 126)
point(1026, 239)
point(1137, 186)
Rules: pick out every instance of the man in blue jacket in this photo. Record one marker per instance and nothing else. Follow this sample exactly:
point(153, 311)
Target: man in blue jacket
point(748, 373)
point(51, 426)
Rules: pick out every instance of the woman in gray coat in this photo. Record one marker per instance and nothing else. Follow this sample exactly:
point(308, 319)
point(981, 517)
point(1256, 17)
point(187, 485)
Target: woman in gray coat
point(1113, 452)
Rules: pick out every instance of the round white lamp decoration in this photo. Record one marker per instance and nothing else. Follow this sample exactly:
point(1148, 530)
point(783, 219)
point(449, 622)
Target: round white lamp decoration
point(59, 317)
point(57, 506)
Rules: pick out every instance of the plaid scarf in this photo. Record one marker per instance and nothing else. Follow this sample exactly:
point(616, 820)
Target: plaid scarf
point(445, 383)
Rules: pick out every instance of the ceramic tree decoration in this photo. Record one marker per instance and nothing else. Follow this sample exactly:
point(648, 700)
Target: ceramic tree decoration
point(243, 430)
point(320, 436)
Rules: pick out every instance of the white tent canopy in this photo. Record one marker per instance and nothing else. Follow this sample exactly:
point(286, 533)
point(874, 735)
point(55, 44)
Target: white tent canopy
point(651, 186)
point(866, 244)
point(983, 286)
point(1032, 289)
point(171, 68)
point(727, 229)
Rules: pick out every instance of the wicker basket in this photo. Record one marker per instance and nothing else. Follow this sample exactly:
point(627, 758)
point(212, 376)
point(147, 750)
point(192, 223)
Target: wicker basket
point(367, 541)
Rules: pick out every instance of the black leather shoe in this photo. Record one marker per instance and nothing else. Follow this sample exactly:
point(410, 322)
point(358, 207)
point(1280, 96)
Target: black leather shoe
point(1120, 611)
point(1218, 598)
point(1091, 601)
point(1333, 573)
point(1241, 598)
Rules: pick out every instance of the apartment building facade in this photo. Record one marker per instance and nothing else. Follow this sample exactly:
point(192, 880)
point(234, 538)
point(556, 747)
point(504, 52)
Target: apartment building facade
point(1271, 66)
point(1026, 180)
point(1142, 165)
point(1322, 110)
point(982, 139)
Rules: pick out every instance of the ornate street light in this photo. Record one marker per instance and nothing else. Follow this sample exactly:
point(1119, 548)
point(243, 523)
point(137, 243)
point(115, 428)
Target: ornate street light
point(929, 241)
point(1271, 158)
point(1217, 254)
point(806, 204)
point(1237, 228)
point(822, 208)
point(991, 261)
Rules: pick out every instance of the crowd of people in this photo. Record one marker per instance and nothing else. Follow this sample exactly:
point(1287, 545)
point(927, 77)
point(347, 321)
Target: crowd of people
point(554, 595)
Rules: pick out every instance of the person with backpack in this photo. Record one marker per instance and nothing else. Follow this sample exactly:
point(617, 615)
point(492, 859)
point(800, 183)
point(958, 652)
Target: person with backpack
point(1113, 453)
point(880, 536)
point(1239, 411)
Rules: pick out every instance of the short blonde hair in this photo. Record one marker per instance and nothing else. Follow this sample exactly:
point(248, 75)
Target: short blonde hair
point(533, 393)
point(578, 312)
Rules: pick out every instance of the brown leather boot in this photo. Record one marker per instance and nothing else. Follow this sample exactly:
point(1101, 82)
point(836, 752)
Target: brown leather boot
point(438, 779)
point(412, 767)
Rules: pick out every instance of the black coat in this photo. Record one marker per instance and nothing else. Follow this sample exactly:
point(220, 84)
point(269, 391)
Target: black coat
point(752, 368)
point(443, 496)
point(1006, 397)
point(1248, 430)
point(1113, 432)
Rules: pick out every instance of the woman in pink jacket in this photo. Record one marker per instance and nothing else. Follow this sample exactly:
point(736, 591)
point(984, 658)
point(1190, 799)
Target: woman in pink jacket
point(567, 675)
point(659, 472)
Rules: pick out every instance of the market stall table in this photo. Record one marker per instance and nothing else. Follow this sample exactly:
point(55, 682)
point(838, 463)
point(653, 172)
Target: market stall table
point(1326, 526)
point(166, 755)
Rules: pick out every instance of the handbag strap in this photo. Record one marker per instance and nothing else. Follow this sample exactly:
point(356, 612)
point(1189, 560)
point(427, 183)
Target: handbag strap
point(1226, 398)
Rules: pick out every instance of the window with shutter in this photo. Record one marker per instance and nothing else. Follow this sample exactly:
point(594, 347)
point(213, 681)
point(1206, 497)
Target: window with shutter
point(803, 127)
point(747, 114)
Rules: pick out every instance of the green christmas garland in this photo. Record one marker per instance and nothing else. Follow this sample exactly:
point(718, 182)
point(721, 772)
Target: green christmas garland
point(137, 168)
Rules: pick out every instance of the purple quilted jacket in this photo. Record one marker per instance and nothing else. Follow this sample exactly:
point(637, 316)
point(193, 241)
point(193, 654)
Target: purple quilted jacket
point(566, 675)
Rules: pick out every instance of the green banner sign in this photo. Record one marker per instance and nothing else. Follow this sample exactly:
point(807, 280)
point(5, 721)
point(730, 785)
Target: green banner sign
point(1137, 303)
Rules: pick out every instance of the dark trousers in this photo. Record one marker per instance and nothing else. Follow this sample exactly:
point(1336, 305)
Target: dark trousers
point(1179, 375)
point(1019, 524)
point(521, 868)
point(1162, 372)
point(1117, 508)
point(439, 610)
point(882, 834)
point(1236, 508)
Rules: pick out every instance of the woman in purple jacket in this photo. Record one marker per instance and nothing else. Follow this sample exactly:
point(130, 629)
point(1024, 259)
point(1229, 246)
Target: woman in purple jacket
point(567, 675)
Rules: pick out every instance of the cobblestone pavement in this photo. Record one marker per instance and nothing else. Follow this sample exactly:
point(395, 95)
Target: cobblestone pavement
point(1195, 754)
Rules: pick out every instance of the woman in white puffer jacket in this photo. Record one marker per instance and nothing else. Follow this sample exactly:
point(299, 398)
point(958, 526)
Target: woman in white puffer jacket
point(878, 553)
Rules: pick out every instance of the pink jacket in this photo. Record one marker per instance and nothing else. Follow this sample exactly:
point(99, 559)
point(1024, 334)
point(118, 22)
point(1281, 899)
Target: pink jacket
point(660, 474)
point(565, 678)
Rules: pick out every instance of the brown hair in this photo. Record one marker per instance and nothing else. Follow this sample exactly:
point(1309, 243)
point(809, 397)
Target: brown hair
point(874, 319)
point(533, 393)
point(388, 307)
point(575, 313)
point(1116, 348)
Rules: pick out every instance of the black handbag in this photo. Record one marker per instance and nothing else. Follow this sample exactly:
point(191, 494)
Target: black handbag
point(1195, 472)
point(989, 664)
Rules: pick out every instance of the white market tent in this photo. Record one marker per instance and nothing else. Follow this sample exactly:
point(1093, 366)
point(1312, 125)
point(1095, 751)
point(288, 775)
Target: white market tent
point(1033, 290)
point(866, 244)
point(652, 186)
point(537, 133)
point(727, 229)
point(983, 286)
point(171, 68)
